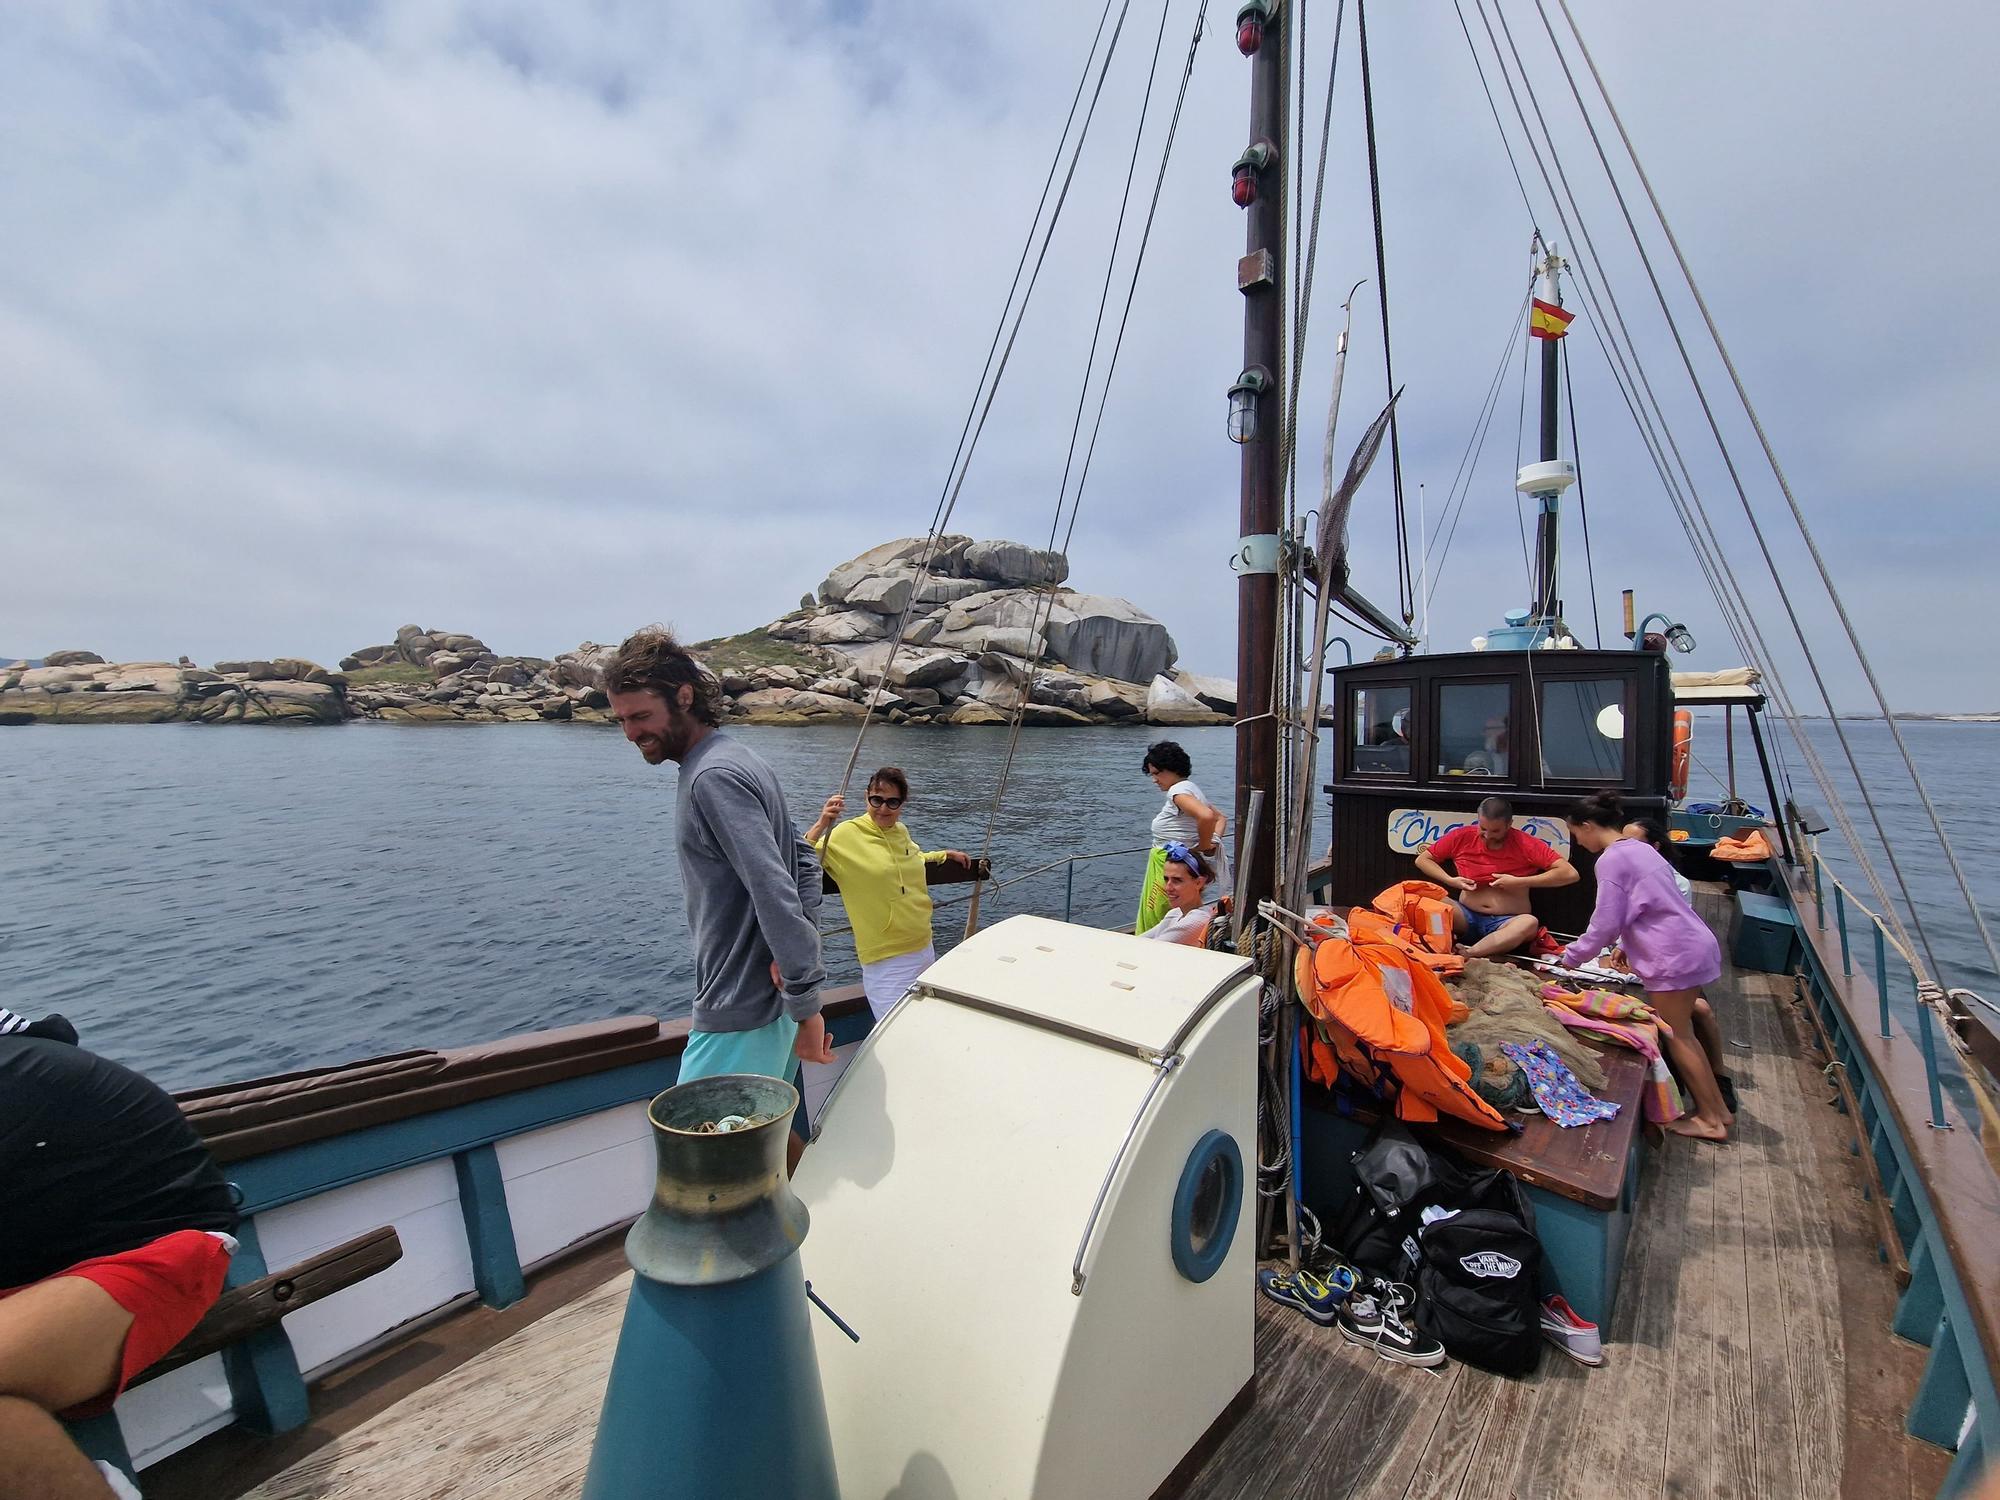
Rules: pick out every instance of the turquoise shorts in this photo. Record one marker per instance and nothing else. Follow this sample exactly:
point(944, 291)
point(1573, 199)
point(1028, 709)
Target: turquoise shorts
point(766, 1050)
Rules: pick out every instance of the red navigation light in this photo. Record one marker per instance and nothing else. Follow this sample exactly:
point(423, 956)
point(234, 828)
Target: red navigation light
point(1243, 175)
point(1252, 16)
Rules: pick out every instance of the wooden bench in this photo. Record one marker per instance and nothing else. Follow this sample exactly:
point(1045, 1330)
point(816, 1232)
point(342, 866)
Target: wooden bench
point(244, 1311)
point(1583, 1181)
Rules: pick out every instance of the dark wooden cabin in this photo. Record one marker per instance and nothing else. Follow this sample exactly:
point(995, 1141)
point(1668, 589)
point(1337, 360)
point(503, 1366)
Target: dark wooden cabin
point(1420, 740)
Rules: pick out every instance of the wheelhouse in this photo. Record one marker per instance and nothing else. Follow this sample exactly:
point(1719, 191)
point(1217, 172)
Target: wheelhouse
point(1420, 741)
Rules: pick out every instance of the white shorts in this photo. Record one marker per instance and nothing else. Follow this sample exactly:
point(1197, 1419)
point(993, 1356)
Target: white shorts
point(886, 980)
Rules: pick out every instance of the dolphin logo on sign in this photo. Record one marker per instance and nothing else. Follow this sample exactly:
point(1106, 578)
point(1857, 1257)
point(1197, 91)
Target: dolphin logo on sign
point(1414, 829)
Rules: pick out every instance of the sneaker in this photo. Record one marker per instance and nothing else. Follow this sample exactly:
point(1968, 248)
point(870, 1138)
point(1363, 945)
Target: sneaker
point(1318, 1298)
point(1374, 1316)
point(1578, 1339)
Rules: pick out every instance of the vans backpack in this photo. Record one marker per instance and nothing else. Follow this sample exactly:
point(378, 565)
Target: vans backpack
point(1478, 1277)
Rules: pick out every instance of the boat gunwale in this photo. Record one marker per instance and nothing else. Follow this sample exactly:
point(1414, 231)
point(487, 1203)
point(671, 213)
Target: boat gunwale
point(1954, 1189)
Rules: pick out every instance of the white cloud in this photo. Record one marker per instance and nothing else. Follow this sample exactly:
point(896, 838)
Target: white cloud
point(543, 322)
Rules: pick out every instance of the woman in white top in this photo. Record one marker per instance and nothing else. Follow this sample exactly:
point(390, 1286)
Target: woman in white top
point(1186, 817)
point(1184, 874)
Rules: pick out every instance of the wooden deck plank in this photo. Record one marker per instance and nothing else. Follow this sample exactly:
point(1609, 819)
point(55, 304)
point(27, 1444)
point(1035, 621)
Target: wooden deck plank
point(1456, 1443)
point(464, 1435)
point(1804, 1184)
point(1726, 1368)
point(1385, 1469)
point(1762, 1082)
point(1549, 1467)
point(1735, 1399)
point(1690, 1396)
point(1509, 1441)
point(1301, 1387)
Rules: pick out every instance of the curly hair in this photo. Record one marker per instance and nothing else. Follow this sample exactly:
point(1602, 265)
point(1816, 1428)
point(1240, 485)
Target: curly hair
point(1165, 755)
point(652, 660)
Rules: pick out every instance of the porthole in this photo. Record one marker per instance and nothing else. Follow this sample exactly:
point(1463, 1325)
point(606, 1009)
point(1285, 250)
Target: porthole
point(1207, 1204)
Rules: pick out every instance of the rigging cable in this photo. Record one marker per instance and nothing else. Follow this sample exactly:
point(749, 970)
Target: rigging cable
point(1582, 506)
point(1405, 589)
point(1475, 446)
point(1784, 485)
point(1090, 451)
point(1505, 144)
point(1291, 726)
point(1756, 527)
point(1694, 517)
point(948, 501)
point(1632, 383)
point(1520, 431)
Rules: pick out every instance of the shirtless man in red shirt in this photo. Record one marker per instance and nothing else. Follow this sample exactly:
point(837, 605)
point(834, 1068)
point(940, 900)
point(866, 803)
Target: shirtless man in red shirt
point(1498, 866)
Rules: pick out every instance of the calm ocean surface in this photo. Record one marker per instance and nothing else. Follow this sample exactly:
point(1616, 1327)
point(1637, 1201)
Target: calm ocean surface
point(215, 904)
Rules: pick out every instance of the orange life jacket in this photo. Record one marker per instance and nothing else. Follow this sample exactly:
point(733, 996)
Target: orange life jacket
point(1367, 925)
point(1424, 908)
point(1379, 1017)
point(1748, 849)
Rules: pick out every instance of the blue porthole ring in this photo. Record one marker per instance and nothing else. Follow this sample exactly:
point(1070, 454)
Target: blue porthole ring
point(1207, 1204)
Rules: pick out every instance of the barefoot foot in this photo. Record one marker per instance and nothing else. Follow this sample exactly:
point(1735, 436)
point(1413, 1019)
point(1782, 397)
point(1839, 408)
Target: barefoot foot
point(1699, 1128)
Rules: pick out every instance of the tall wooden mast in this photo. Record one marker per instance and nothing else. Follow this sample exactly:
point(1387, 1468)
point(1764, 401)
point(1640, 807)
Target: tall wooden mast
point(1257, 421)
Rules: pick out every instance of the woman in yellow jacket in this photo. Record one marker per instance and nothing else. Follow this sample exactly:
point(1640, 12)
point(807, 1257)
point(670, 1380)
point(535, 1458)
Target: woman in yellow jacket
point(880, 871)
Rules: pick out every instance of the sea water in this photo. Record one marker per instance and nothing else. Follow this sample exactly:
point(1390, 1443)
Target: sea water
point(215, 904)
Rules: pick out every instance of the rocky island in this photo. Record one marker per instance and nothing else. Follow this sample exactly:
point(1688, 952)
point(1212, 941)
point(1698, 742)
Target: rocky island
point(991, 629)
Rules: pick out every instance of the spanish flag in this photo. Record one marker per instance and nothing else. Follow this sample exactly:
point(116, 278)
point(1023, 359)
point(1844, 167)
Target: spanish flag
point(1547, 321)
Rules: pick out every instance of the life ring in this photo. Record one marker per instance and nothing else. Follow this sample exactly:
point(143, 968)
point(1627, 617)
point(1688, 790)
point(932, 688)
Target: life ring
point(1677, 774)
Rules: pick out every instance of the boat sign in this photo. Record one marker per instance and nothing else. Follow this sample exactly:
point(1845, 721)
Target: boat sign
point(1414, 829)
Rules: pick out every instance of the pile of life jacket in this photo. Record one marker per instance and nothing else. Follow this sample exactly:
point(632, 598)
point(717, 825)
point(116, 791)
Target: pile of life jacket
point(1379, 1016)
point(1417, 917)
point(1749, 849)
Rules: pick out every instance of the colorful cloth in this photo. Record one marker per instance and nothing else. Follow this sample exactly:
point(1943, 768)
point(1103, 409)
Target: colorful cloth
point(1660, 1100)
point(1556, 1090)
point(1153, 904)
point(1606, 1005)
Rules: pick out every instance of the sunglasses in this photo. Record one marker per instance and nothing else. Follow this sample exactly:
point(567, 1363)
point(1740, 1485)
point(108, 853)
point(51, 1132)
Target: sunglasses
point(875, 801)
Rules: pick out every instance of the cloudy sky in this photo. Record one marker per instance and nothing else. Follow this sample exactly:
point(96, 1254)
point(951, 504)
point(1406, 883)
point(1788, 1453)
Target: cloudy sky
point(542, 321)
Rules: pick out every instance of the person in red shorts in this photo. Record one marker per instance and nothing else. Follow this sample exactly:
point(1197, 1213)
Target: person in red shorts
point(114, 1241)
point(1498, 866)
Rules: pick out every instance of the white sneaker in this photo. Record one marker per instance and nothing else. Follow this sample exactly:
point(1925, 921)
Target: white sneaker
point(1570, 1333)
point(122, 1487)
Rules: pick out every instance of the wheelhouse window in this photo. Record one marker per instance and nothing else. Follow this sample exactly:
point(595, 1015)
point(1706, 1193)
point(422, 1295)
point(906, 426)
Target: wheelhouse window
point(1475, 729)
point(1379, 729)
point(1582, 727)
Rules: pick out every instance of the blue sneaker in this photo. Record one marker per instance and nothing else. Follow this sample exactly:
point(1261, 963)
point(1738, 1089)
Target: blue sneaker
point(1319, 1299)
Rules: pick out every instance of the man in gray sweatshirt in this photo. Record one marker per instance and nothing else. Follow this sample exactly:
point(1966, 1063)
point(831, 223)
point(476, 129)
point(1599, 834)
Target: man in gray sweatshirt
point(752, 884)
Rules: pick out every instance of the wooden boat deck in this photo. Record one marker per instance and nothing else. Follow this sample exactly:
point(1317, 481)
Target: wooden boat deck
point(1749, 1356)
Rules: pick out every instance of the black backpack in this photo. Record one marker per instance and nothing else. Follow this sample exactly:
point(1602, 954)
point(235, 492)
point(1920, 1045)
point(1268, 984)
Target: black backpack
point(1477, 1280)
point(1476, 1272)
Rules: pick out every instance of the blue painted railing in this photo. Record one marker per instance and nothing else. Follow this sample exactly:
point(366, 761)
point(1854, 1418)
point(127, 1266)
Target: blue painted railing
point(1957, 1406)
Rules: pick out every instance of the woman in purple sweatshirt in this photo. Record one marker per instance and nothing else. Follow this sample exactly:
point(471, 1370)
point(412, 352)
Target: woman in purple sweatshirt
point(1669, 947)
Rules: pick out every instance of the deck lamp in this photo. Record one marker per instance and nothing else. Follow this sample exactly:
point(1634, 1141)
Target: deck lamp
point(1244, 398)
point(1678, 636)
point(1243, 176)
point(1251, 19)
